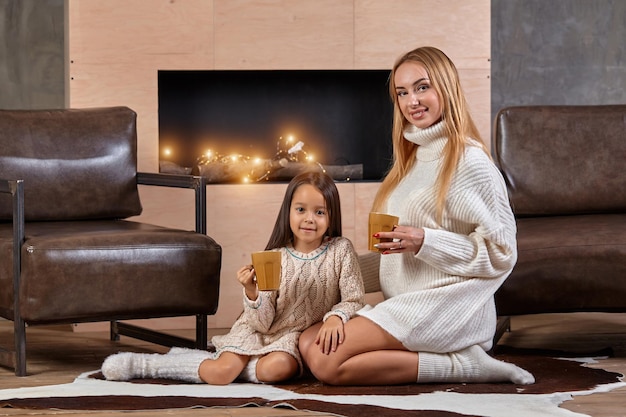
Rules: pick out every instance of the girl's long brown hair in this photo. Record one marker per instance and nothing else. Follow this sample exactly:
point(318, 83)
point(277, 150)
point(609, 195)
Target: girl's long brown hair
point(459, 126)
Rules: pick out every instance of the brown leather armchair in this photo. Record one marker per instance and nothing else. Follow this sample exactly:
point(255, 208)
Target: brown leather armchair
point(564, 170)
point(69, 254)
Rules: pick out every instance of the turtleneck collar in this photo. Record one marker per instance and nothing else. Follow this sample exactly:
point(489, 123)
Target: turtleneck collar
point(431, 140)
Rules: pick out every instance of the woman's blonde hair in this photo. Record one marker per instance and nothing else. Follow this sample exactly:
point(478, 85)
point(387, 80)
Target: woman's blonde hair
point(459, 126)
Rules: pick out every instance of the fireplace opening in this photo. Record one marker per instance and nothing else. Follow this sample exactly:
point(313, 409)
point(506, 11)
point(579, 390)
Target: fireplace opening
point(251, 125)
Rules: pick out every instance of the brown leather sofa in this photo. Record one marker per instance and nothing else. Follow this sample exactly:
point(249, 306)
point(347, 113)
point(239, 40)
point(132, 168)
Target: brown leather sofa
point(68, 184)
point(565, 169)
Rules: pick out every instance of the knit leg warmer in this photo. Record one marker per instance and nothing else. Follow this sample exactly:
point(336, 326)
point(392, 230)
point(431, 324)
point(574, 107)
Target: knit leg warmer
point(469, 365)
point(248, 373)
point(179, 365)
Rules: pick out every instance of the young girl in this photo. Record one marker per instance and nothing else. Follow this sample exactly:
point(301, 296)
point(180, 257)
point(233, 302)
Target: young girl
point(320, 281)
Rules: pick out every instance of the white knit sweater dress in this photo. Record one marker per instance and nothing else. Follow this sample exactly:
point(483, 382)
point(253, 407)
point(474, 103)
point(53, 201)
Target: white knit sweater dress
point(313, 287)
point(441, 299)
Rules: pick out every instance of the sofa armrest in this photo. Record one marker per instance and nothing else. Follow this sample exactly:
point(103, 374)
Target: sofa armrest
point(370, 267)
point(197, 183)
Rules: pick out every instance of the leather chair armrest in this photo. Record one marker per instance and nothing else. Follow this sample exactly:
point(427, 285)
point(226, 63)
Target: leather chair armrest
point(16, 189)
point(197, 183)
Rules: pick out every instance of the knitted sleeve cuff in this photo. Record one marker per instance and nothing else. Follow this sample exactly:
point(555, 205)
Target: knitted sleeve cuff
point(343, 316)
point(252, 304)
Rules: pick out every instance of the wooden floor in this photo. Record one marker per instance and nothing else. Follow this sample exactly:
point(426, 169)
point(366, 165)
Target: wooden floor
point(57, 355)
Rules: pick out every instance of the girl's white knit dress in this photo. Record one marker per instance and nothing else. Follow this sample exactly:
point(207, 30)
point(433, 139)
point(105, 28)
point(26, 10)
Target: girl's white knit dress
point(313, 286)
point(441, 299)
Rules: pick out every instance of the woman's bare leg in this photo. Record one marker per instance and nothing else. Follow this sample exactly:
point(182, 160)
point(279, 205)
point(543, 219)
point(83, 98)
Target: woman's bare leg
point(368, 356)
point(223, 370)
point(276, 367)
point(371, 356)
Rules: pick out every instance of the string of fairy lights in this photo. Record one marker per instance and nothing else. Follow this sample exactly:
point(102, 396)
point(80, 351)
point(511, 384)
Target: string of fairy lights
point(249, 169)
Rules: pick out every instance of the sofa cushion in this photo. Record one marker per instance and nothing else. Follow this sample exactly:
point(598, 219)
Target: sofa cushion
point(369, 263)
point(560, 160)
point(76, 164)
point(567, 264)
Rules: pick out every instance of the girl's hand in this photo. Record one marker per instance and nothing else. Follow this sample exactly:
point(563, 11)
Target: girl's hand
point(405, 239)
point(330, 335)
point(247, 278)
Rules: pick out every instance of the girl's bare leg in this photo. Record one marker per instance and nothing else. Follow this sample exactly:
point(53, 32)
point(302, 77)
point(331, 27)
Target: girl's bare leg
point(368, 356)
point(276, 367)
point(223, 370)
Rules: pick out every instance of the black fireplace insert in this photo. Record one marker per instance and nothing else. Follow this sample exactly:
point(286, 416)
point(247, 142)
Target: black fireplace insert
point(338, 119)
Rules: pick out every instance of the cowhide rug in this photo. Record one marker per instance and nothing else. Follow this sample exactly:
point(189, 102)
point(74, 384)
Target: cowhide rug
point(558, 379)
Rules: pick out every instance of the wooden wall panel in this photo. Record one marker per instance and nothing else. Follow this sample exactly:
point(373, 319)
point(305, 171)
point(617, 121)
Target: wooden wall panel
point(283, 34)
point(385, 30)
point(477, 86)
point(116, 48)
point(363, 198)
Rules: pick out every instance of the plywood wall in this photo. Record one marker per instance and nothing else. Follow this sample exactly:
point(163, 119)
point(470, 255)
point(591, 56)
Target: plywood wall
point(116, 48)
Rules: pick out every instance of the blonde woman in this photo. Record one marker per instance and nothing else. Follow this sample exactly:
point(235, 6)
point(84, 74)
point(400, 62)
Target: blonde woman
point(453, 247)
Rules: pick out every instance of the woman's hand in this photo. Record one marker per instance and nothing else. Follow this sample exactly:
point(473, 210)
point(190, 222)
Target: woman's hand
point(405, 239)
point(247, 278)
point(330, 335)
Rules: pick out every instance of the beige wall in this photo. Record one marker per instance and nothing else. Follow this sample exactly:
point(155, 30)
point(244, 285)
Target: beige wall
point(116, 47)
